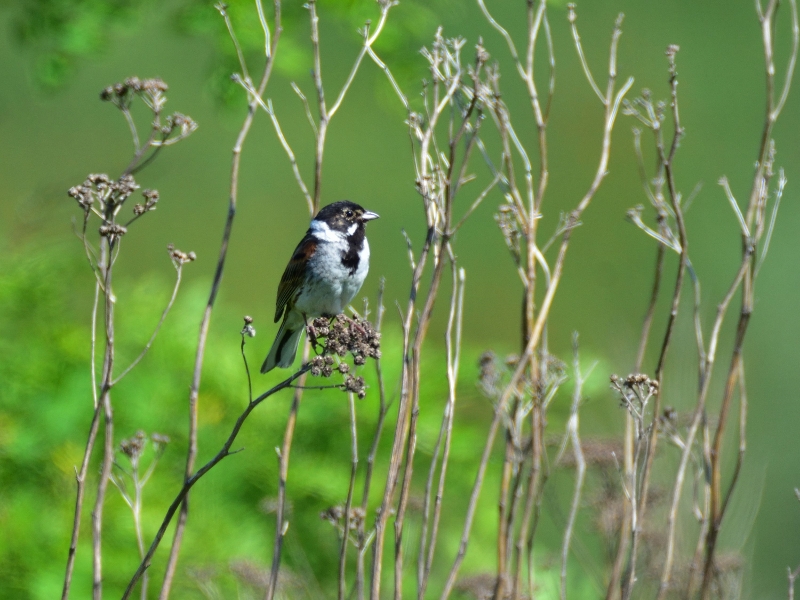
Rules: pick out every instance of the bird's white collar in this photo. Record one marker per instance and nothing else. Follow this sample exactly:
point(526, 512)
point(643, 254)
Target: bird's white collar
point(323, 232)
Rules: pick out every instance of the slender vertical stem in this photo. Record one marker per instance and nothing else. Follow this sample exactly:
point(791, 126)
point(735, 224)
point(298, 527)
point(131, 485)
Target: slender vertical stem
point(191, 455)
point(80, 480)
point(281, 524)
point(453, 351)
point(573, 427)
point(80, 475)
point(106, 267)
point(362, 537)
point(349, 503)
point(223, 453)
point(666, 159)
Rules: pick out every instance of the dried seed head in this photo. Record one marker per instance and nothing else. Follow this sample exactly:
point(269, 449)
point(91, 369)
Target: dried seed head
point(112, 230)
point(571, 14)
point(317, 364)
point(134, 446)
point(481, 55)
point(159, 439)
point(248, 328)
point(179, 257)
point(355, 385)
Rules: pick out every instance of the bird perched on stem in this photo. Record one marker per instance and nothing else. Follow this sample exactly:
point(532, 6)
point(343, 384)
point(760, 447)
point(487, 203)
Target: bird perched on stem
point(324, 274)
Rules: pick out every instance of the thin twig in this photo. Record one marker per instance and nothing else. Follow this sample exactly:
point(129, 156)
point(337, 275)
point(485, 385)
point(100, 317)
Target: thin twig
point(224, 452)
point(362, 537)
point(281, 524)
point(349, 502)
point(223, 10)
point(672, 515)
point(104, 404)
point(453, 351)
point(666, 162)
point(164, 313)
point(573, 426)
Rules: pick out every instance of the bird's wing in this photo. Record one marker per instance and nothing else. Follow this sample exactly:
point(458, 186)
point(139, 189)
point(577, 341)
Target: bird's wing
point(295, 273)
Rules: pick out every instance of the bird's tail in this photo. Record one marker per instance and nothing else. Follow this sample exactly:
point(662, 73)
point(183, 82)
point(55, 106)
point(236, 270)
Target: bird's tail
point(284, 348)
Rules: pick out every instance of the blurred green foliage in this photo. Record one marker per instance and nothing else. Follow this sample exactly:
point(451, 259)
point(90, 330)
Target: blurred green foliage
point(63, 34)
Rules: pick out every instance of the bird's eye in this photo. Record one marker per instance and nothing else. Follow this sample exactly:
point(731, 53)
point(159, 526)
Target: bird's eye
point(349, 214)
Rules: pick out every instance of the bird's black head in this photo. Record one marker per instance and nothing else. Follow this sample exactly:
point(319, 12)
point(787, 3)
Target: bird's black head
point(343, 215)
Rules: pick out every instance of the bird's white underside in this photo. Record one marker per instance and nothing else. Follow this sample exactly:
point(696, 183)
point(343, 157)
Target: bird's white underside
point(333, 286)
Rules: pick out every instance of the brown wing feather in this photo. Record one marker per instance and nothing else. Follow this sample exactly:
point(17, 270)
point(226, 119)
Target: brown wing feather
point(294, 274)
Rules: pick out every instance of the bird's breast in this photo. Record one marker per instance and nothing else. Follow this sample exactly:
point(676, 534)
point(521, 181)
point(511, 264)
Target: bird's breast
point(334, 276)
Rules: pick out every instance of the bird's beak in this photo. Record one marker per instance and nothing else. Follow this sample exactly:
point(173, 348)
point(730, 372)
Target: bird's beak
point(369, 216)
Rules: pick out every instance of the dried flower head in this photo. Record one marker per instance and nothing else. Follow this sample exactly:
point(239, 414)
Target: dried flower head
point(112, 231)
point(159, 439)
point(346, 335)
point(179, 257)
point(181, 123)
point(134, 446)
point(120, 94)
point(99, 188)
point(248, 328)
point(481, 55)
point(635, 392)
point(341, 336)
point(355, 385)
point(335, 516)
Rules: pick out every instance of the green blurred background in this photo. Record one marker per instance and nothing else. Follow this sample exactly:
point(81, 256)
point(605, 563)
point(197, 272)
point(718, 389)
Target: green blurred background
point(58, 54)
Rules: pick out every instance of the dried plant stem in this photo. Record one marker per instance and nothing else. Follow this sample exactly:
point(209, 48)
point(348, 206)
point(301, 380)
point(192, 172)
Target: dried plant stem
point(505, 513)
point(611, 101)
point(573, 437)
point(397, 444)
point(700, 476)
point(281, 524)
point(80, 475)
point(409, 415)
point(524, 545)
point(453, 351)
point(665, 158)
point(717, 509)
point(368, 472)
point(326, 114)
point(438, 216)
point(290, 153)
point(194, 391)
point(452, 178)
point(473, 503)
point(349, 502)
point(792, 577)
point(224, 452)
point(672, 515)
point(629, 474)
point(106, 266)
point(754, 222)
point(80, 480)
point(737, 469)
point(320, 132)
point(164, 313)
point(527, 218)
point(753, 227)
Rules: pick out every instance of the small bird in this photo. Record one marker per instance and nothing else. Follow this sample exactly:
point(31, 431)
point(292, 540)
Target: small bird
point(324, 274)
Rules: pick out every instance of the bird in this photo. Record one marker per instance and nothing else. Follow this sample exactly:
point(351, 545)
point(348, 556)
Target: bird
point(324, 273)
